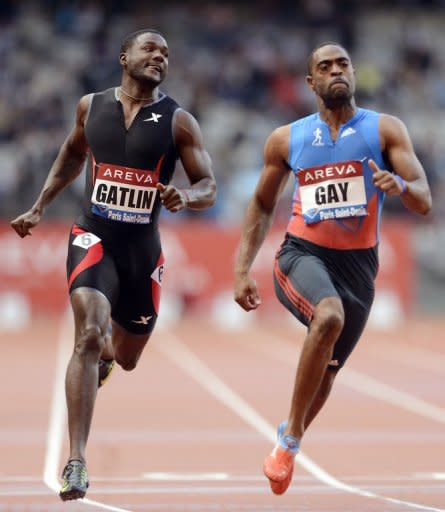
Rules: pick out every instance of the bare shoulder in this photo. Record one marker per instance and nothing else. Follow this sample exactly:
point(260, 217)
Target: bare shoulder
point(277, 144)
point(280, 135)
point(185, 126)
point(390, 122)
point(392, 129)
point(83, 107)
point(184, 116)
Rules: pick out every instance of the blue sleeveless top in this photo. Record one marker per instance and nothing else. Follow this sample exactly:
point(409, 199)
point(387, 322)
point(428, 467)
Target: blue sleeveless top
point(335, 203)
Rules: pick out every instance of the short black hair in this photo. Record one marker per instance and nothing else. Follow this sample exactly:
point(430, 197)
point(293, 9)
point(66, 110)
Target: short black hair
point(321, 45)
point(129, 40)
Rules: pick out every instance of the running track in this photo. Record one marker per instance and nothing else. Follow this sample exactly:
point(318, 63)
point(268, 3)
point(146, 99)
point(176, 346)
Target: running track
point(188, 430)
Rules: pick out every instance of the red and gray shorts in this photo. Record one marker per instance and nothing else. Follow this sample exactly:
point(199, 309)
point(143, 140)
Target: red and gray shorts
point(305, 273)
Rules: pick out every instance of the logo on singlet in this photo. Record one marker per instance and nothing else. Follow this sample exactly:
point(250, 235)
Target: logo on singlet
point(317, 138)
point(154, 117)
point(348, 131)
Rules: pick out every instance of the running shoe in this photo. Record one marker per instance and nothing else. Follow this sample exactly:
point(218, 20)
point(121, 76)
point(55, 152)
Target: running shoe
point(105, 368)
point(74, 481)
point(279, 464)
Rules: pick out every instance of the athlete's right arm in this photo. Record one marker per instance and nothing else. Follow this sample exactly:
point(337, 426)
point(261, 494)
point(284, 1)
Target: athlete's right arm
point(259, 215)
point(66, 167)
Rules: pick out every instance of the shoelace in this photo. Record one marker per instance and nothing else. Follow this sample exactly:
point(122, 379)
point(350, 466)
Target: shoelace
point(69, 468)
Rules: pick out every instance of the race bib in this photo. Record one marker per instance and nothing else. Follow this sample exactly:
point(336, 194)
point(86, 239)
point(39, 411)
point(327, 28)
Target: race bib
point(124, 194)
point(332, 191)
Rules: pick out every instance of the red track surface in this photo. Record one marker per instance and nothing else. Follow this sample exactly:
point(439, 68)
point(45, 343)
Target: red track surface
point(163, 441)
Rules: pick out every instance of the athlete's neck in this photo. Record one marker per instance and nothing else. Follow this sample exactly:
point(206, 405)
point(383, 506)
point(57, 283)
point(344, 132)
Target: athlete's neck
point(337, 116)
point(138, 94)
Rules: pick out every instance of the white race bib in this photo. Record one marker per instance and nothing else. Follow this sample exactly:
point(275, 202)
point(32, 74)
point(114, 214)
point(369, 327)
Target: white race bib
point(332, 191)
point(124, 194)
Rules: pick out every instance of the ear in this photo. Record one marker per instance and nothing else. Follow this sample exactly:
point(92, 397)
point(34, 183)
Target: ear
point(310, 81)
point(123, 58)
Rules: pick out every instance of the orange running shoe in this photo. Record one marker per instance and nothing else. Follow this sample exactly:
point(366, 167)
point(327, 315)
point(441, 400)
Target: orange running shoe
point(281, 487)
point(279, 464)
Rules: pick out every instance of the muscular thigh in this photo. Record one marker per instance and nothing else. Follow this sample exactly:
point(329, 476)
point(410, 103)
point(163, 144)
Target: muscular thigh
point(303, 276)
point(90, 264)
point(140, 272)
point(357, 301)
point(126, 270)
point(301, 281)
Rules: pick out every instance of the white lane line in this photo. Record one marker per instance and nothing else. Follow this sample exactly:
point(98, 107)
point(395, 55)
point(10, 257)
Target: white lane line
point(429, 476)
point(57, 417)
point(417, 357)
point(252, 488)
point(187, 477)
point(413, 479)
point(185, 359)
point(386, 393)
point(286, 353)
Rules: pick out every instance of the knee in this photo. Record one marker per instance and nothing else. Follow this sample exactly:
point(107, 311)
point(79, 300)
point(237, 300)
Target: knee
point(91, 340)
point(328, 319)
point(126, 364)
point(128, 348)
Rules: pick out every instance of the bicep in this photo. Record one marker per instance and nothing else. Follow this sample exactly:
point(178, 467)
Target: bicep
point(190, 146)
point(274, 175)
point(270, 185)
point(76, 143)
point(400, 152)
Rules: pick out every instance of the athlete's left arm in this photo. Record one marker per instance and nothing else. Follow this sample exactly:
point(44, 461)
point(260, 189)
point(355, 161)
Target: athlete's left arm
point(197, 165)
point(409, 179)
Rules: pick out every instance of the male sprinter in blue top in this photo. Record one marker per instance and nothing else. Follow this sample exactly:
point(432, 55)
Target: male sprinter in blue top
point(130, 138)
point(325, 269)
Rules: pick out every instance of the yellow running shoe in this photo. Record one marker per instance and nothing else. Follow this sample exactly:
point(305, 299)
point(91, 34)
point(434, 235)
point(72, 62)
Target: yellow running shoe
point(74, 481)
point(105, 368)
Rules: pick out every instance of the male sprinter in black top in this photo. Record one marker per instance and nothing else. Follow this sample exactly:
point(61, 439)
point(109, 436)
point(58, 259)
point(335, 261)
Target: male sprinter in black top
point(129, 139)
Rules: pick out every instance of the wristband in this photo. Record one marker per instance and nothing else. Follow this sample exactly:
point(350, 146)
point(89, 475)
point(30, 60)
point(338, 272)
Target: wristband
point(402, 183)
point(186, 195)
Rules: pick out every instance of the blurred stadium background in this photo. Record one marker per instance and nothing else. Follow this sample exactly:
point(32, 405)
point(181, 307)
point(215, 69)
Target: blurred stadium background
point(239, 67)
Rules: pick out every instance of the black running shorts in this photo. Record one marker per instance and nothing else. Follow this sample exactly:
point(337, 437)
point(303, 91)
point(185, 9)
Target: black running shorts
point(124, 263)
point(305, 273)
